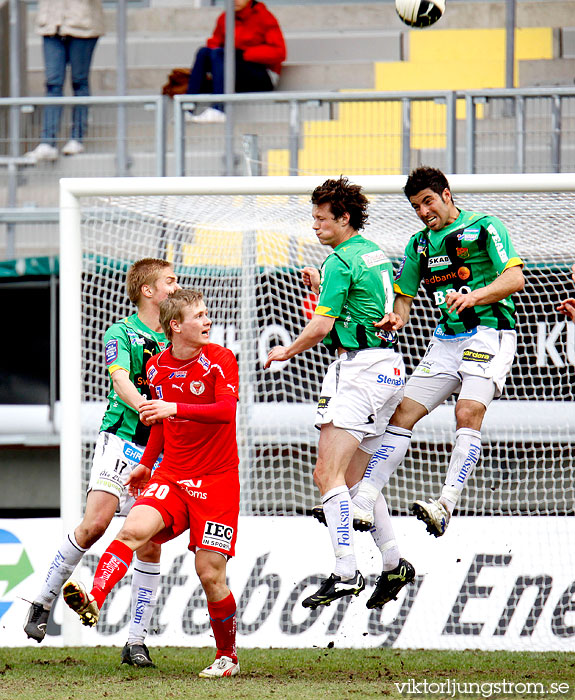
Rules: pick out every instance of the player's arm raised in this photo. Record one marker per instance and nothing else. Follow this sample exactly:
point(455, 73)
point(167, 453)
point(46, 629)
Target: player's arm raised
point(396, 319)
point(567, 307)
point(509, 281)
point(125, 389)
point(312, 334)
point(311, 278)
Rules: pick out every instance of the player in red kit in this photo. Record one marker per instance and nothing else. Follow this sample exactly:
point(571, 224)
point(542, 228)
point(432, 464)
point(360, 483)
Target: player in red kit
point(194, 385)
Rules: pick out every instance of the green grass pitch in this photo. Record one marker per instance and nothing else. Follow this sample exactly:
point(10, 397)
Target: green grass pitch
point(48, 673)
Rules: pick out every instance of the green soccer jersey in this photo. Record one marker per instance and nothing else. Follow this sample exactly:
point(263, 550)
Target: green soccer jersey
point(129, 345)
point(468, 254)
point(356, 289)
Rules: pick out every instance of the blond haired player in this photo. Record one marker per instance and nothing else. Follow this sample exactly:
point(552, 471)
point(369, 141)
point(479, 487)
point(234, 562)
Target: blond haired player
point(128, 345)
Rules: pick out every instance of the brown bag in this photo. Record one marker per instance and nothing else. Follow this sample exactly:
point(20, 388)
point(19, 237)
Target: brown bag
point(177, 82)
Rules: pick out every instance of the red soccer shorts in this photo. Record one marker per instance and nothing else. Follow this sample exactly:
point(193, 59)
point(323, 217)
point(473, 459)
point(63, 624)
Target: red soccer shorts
point(208, 506)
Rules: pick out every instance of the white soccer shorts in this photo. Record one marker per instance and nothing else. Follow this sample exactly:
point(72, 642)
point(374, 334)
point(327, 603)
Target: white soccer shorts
point(114, 460)
point(360, 392)
point(475, 366)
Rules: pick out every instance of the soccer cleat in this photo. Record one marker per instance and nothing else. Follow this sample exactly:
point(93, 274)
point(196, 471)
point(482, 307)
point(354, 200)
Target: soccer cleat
point(362, 520)
point(209, 116)
point(433, 514)
point(318, 514)
point(333, 588)
point(36, 622)
point(80, 601)
point(223, 667)
point(73, 148)
point(137, 655)
point(390, 583)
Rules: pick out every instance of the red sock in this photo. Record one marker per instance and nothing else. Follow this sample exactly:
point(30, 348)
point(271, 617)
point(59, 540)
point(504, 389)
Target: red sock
point(223, 621)
point(111, 568)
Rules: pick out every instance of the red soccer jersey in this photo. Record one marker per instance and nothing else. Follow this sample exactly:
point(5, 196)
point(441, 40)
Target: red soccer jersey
point(192, 448)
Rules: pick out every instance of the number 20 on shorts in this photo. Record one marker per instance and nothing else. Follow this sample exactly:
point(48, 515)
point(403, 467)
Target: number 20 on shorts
point(160, 491)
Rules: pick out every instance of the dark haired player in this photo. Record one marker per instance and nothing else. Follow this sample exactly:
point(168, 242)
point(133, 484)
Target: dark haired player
point(362, 386)
point(469, 269)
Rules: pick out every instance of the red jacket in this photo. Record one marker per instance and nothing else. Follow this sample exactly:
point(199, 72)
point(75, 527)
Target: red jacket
point(258, 35)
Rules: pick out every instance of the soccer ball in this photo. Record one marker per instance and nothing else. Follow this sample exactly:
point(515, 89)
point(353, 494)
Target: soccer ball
point(419, 13)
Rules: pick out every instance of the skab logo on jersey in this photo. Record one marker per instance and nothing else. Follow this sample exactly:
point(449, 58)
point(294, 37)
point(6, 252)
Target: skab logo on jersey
point(15, 566)
point(498, 243)
point(439, 261)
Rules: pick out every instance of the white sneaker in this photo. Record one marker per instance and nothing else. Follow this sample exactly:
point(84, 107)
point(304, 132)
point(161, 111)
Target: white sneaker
point(434, 514)
point(43, 151)
point(208, 116)
point(72, 148)
point(223, 667)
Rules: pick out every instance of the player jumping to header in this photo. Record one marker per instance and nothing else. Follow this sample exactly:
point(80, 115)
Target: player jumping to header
point(195, 388)
point(362, 386)
point(469, 270)
point(129, 344)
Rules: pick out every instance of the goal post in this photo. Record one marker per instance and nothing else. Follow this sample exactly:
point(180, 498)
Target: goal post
point(244, 241)
point(76, 193)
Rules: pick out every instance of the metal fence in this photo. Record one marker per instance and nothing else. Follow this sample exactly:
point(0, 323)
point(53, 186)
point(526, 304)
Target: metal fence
point(279, 133)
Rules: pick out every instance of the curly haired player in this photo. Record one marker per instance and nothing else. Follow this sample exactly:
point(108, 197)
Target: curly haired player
point(360, 391)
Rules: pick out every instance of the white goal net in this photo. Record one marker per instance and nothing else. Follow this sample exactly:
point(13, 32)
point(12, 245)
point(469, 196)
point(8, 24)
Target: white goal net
point(243, 241)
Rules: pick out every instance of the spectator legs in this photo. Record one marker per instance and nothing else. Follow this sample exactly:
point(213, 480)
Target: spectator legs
point(251, 77)
point(55, 73)
point(58, 52)
point(207, 74)
point(80, 53)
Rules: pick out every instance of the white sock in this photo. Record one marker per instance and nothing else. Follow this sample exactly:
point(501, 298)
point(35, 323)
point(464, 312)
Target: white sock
point(145, 582)
point(383, 463)
point(464, 457)
point(61, 568)
point(339, 518)
point(383, 535)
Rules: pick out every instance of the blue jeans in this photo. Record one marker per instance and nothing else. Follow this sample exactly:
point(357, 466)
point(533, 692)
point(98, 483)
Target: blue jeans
point(207, 74)
point(59, 51)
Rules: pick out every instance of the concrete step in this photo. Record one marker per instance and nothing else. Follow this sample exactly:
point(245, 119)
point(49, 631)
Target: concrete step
point(568, 42)
point(350, 16)
point(176, 49)
point(558, 71)
point(295, 76)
